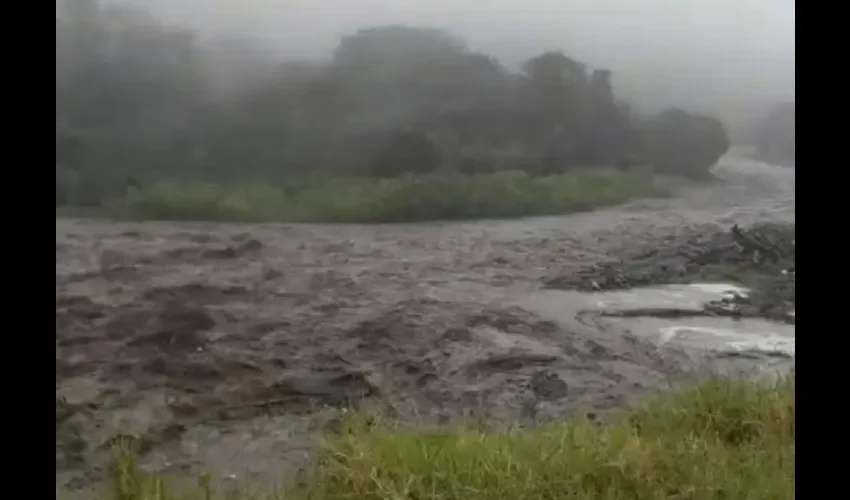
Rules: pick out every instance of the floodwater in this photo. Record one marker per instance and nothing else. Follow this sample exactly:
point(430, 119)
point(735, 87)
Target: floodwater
point(673, 316)
point(227, 348)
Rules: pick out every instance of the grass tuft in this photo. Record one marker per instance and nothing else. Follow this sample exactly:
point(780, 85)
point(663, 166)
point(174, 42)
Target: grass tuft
point(722, 440)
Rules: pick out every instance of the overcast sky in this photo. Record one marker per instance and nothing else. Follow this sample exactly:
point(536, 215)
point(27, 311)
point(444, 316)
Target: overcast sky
point(718, 51)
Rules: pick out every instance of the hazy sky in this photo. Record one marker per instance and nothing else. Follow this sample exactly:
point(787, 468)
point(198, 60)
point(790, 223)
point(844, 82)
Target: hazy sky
point(711, 50)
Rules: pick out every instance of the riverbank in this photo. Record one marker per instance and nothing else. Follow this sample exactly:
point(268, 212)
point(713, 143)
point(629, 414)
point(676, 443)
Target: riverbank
point(722, 439)
point(224, 347)
point(444, 196)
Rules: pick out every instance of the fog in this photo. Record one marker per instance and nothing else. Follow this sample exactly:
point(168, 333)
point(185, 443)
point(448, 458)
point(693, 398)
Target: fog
point(727, 56)
point(225, 90)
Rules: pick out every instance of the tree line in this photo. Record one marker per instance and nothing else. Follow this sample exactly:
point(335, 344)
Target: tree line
point(138, 101)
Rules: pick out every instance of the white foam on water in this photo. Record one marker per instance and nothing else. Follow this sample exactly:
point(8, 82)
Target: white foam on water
point(731, 339)
point(722, 289)
point(691, 296)
point(710, 333)
point(777, 344)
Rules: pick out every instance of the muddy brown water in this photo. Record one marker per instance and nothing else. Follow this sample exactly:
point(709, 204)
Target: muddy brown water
point(228, 347)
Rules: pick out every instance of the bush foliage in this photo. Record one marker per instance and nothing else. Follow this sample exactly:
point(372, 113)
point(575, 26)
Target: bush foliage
point(145, 106)
point(408, 198)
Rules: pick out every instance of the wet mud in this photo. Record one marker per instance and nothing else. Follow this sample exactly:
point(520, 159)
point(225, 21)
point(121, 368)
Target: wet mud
point(228, 347)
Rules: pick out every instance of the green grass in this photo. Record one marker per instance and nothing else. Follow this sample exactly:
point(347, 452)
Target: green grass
point(407, 199)
point(722, 440)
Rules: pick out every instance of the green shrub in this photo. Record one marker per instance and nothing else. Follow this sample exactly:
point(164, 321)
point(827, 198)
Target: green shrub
point(201, 201)
point(443, 196)
point(724, 439)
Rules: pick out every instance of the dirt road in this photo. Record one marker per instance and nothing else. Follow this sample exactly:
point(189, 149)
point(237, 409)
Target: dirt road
point(225, 347)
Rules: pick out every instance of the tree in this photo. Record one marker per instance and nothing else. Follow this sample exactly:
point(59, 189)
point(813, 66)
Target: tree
point(136, 99)
point(123, 77)
point(681, 143)
point(556, 72)
point(408, 151)
point(385, 51)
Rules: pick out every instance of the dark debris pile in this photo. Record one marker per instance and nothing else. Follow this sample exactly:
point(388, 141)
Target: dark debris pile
point(761, 257)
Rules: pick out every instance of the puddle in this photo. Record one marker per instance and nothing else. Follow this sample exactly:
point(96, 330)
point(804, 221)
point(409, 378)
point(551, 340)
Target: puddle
point(735, 337)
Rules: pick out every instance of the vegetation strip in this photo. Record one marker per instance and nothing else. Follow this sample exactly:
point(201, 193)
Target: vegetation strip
point(722, 439)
